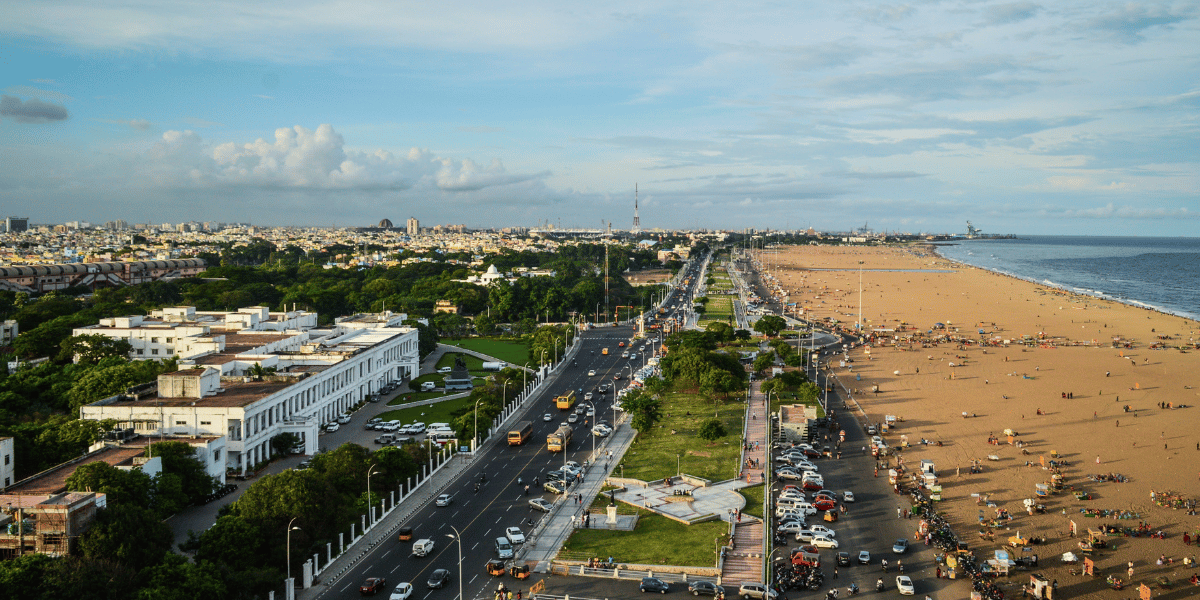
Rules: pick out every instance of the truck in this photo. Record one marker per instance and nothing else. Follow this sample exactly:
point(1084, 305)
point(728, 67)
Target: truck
point(494, 366)
point(560, 439)
point(519, 433)
point(565, 401)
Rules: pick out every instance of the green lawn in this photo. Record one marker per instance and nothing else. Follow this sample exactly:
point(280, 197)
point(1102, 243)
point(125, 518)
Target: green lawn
point(656, 540)
point(442, 412)
point(754, 500)
point(514, 352)
point(654, 453)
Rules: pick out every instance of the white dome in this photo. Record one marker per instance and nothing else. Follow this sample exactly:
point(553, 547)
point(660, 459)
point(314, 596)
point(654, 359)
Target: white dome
point(492, 270)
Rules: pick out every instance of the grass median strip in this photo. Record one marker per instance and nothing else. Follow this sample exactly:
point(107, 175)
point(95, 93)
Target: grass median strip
point(655, 453)
point(656, 540)
point(514, 352)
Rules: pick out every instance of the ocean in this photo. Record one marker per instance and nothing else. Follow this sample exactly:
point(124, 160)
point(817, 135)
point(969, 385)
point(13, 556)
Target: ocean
point(1158, 273)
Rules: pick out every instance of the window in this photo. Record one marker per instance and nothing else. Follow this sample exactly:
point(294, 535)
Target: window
point(140, 351)
point(206, 422)
point(154, 351)
point(153, 340)
point(181, 422)
point(7, 459)
point(5, 482)
point(216, 455)
point(169, 340)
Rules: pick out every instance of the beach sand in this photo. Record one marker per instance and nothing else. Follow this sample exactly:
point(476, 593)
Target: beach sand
point(1004, 387)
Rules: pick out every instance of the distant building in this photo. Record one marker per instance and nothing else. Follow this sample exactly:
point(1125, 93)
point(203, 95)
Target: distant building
point(445, 306)
point(7, 464)
point(45, 278)
point(414, 226)
point(385, 224)
point(15, 224)
point(793, 421)
point(249, 385)
point(49, 524)
point(8, 332)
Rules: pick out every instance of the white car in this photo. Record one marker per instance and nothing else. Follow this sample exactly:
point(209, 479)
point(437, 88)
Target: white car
point(547, 417)
point(847, 496)
point(904, 585)
point(591, 412)
point(587, 397)
point(824, 541)
point(402, 592)
point(822, 530)
point(573, 418)
point(332, 427)
point(445, 370)
point(792, 527)
point(601, 431)
point(514, 535)
point(443, 500)
point(591, 373)
point(343, 419)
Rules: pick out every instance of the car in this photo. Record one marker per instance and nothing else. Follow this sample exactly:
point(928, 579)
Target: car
point(757, 591)
point(443, 500)
point(792, 526)
point(555, 475)
point(904, 585)
point(587, 397)
point(547, 417)
point(573, 418)
point(617, 377)
point(402, 592)
point(376, 420)
point(445, 370)
point(514, 535)
point(864, 557)
point(791, 495)
point(603, 388)
point(707, 588)
point(620, 344)
point(900, 547)
point(555, 487)
point(653, 584)
point(843, 559)
point(811, 484)
point(332, 427)
point(591, 373)
point(823, 530)
point(847, 496)
point(591, 411)
point(812, 453)
point(625, 354)
point(601, 431)
point(371, 586)
point(824, 504)
point(343, 419)
point(540, 504)
point(824, 541)
point(790, 475)
point(832, 495)
point(438, 579)
point(804, 536)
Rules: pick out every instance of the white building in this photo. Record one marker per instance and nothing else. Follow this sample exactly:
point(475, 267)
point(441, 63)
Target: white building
point(185, 332)
point(7, 463)
point(313, 375)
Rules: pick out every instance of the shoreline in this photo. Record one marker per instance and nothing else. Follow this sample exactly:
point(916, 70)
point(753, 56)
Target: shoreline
point(1099, 295)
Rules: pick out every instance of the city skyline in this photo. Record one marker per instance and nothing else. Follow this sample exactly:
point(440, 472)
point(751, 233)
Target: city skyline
point(1023, 117)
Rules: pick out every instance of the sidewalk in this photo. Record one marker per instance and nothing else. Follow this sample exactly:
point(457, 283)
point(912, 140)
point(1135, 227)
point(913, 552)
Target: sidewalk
point(745, 562)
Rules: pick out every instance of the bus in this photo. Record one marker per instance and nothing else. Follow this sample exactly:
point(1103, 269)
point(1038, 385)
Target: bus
point(565, 401)
point(519, 433)
point(560, 439)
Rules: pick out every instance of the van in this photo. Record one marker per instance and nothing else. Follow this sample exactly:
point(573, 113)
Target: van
point(439, 426)
point(504, 548)
point(422, 547)
point(428, 386)
point(385, 439)
point(789, 502)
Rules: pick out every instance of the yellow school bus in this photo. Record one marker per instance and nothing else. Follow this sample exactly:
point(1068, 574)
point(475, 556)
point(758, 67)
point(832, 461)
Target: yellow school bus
point(565, 401)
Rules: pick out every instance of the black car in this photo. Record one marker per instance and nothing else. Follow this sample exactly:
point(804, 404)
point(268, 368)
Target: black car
point(438, 579)
point(707, 588)
point(653, 584)
point(843, 559)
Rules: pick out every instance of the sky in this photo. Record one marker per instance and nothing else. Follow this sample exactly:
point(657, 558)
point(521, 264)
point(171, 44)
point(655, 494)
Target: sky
point(1064, 117)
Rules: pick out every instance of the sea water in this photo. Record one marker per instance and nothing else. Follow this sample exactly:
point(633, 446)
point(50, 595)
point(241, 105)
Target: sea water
point(1158, 273)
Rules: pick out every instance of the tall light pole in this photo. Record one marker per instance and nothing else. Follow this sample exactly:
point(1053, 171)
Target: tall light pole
point(592, 407)
point(475, 427)
point(289, 546)
point(458, 536)
point(542, 361)
point(524, 372)
point(369, 502)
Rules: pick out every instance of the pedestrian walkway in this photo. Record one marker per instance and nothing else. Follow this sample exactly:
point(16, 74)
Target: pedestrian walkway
point(745, 563)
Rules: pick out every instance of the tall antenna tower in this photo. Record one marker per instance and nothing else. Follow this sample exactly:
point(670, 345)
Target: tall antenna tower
point(637, 222)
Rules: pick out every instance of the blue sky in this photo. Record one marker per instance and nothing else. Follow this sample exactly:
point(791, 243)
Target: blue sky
point(1024, 117)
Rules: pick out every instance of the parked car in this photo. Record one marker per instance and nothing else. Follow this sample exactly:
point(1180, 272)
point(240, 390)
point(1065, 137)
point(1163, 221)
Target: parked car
point(332, 427)
point(824, 541)
point(514, 535)
point(540, 504)
point(823, 530)
point(343, 419)
point(847, 496)
point(371, 586)
point(653, 584)
point(757, 591)
point(707, 588)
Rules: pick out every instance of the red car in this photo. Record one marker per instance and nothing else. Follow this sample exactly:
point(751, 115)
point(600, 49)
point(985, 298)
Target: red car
point(812, 485)
point(824, 505)
point(620, 344)
point(372, 586)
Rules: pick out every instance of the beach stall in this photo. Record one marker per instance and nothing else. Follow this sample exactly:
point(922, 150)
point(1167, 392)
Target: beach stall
point(892, 476)
point(929, 479)
point(935, 493)
point(1040, 587)
point(927, 466)
point(1043, 490)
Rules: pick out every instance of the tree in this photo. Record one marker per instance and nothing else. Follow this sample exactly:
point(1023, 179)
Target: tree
point(92, 348)
point(282, 443)
point(711, 430)
point(770, 325)
point(180, 459)
point(646, 410)
point(741, 335)
point(177, 579)
point(763, 361)
point(123, 488)
point(721, 332)
point(131, 534)
point(235, 541)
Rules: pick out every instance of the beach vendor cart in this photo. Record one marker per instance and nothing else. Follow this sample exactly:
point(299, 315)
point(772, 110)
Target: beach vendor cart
point(1040, 587)
point(1042, 490)
point(1056, 483)
point(935, 493)
point(893, 474)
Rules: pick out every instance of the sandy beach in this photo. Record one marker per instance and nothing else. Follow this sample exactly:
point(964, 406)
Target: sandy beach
point(1060, 371)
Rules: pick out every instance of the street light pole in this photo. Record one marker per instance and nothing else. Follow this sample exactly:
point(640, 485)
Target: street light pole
point(860, 264)
point(369, 502)
point(289, 547)
point(475, 427)
point(458, 536)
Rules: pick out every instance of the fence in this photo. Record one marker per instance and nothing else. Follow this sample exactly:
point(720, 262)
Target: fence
point(636, 572)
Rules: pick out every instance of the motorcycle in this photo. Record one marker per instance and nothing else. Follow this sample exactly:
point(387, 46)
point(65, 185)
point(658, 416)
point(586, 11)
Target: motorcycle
point(879, 585)
point(884, 564)
point(852, 590)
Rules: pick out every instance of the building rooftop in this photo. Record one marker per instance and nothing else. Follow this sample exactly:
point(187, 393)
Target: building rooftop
point(54, 480)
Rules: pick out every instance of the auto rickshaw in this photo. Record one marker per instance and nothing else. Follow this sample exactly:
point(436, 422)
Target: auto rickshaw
point(831, 516)
point(495, 567)
point(406, 534)
point(521, 572)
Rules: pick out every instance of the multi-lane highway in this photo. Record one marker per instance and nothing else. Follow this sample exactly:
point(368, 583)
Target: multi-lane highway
point(501, 472)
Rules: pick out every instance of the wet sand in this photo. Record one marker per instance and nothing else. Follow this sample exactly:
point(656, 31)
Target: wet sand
point(1005, 386)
